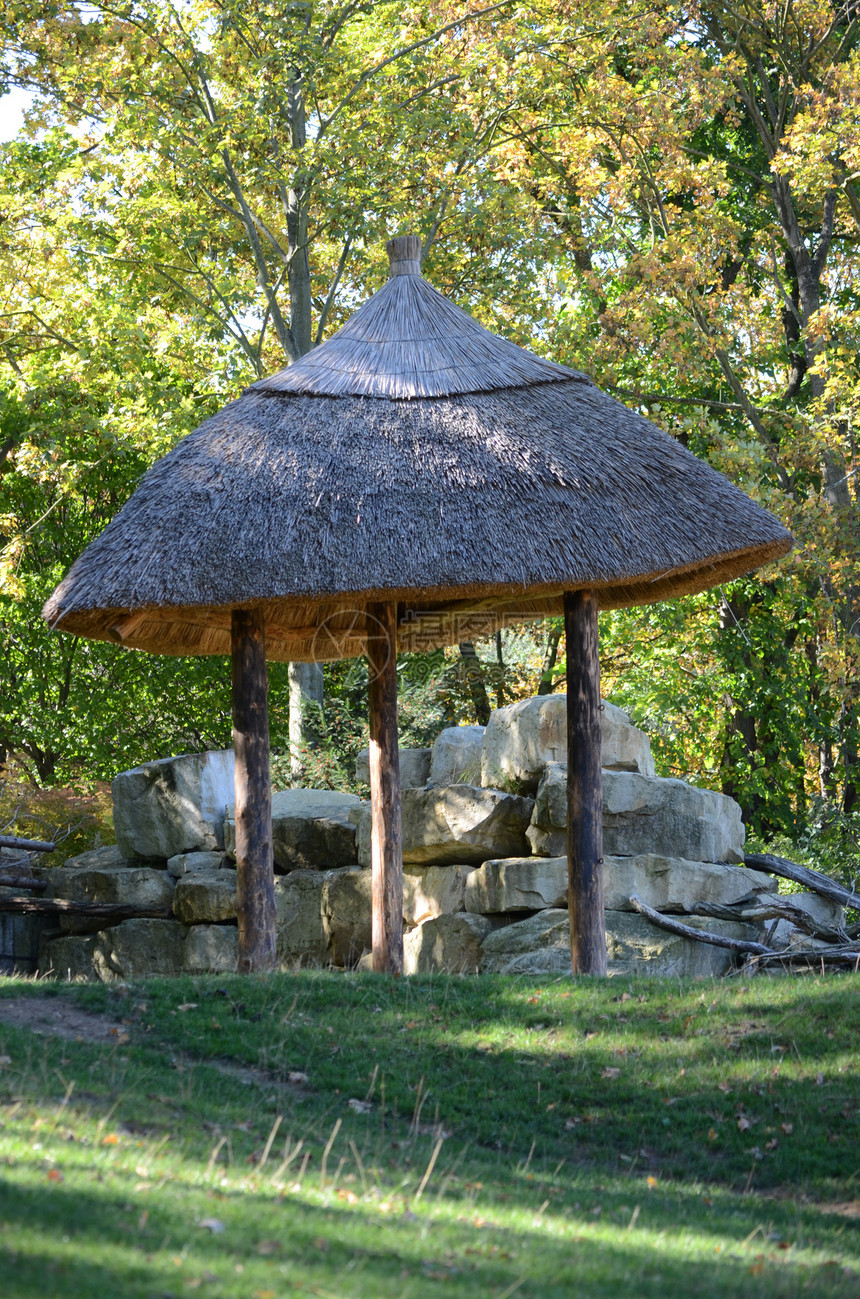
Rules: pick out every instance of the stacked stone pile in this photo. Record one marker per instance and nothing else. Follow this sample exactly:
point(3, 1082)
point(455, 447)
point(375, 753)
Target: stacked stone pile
point(485, 873)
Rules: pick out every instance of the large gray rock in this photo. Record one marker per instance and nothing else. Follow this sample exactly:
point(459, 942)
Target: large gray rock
point(527, 939)
point(346, 910)
point(430, 891)
point(461, 824)
point(521, 739)
point(142, 887)
point(189, 863)
point(136, 949)
point(173, 805)
point(675, 884)
point(643, 814)
point(211, 949)
point(456, 756)
point(302, 929)
point(206, 898)
point(109, 855)
point(414, 768)
point(311, 829)
point(540, 945)
point(517, 884)
point(635, 946)
point(449, 944)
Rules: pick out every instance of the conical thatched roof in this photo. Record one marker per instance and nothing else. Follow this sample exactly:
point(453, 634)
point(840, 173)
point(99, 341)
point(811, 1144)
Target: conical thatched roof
point(413, 457)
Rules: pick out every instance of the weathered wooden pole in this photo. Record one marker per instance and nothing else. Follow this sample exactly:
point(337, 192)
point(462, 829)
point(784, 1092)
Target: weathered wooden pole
point(386, 834)
point(255, 872)
point(584, 786)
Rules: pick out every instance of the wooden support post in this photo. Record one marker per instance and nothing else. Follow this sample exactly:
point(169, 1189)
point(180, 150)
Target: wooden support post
point(584, 786)
point(255, 872)
point(387, 837)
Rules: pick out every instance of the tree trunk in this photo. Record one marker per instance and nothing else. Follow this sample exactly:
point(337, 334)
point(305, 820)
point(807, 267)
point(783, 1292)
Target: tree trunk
point(386, 838)
point(584, 785)
point(475, 681)
point(306, 701)
point(255, 872)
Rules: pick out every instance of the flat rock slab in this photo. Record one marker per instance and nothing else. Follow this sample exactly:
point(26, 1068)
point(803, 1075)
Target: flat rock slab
point(311, 829)
point(202, 898)
point(522, 738)
point(675, 884)
point(136, 949)
point(211, 949)
point(142, 887)
point(449, 944)
point(430, 891)
point(456, 756)
point(173, 805)
point(302, 932)
point(414, 768)
point(517, 884)
point(110, 855)
point(190, 863)
point(461, 824)
point(643, 814)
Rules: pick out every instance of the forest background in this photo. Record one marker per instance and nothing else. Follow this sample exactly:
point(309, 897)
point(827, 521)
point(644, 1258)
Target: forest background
point(665, 195)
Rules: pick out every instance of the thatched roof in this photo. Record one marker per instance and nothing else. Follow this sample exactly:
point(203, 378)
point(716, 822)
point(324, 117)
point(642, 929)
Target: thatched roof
point(417, 457)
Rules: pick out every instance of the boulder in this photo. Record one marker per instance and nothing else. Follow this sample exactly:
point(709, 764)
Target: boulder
point(517, 884)
point(211, 949)
point(136, 949)
point(346, 912)
point(302, 931)
point(522, 738)
point(456, 756)
point(109, 855)
point(461, 824)
point(635, 946)
point(141, 887)
point(447, 944)
point(311, 829)
point(541, 945)
point(643, 814)
point(188, 863)
point(205, 898)
point(675, 884)
point(19, 939)
point(414, 768)
point(527, 939)
point(430, 891)
point(173, 805)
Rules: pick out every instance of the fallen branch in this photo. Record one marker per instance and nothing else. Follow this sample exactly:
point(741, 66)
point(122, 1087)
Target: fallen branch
point(699, 935)
point(26, 845)
point(97, 910)
point(756, 913)
point(812, 880)
point(22, 882)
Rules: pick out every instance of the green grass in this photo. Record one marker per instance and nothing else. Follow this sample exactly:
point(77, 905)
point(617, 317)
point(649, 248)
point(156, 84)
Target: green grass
point(544, 1139)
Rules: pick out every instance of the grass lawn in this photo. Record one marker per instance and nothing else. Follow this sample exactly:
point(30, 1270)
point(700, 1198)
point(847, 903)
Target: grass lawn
point(345, 1135)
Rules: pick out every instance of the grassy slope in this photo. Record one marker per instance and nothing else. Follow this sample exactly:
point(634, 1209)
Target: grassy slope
point(633, 1138)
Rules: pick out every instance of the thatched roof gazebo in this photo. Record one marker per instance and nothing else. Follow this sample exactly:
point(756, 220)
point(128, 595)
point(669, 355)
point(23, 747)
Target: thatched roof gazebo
point(408, 484)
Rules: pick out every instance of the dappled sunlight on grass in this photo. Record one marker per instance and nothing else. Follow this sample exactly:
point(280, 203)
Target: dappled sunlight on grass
point(350, 1135)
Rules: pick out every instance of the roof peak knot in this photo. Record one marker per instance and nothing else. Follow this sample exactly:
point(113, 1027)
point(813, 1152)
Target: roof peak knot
point(404, 255)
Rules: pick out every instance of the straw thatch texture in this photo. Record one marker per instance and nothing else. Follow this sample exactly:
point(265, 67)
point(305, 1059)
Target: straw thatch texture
point(409, 341)
point(485, 504)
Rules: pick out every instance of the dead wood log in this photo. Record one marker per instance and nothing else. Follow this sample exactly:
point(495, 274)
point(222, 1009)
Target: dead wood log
point(9, 881)
point(810, 879)
point(26, 845)
point(673, 926)
point(756, 913)
point(97, 910)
